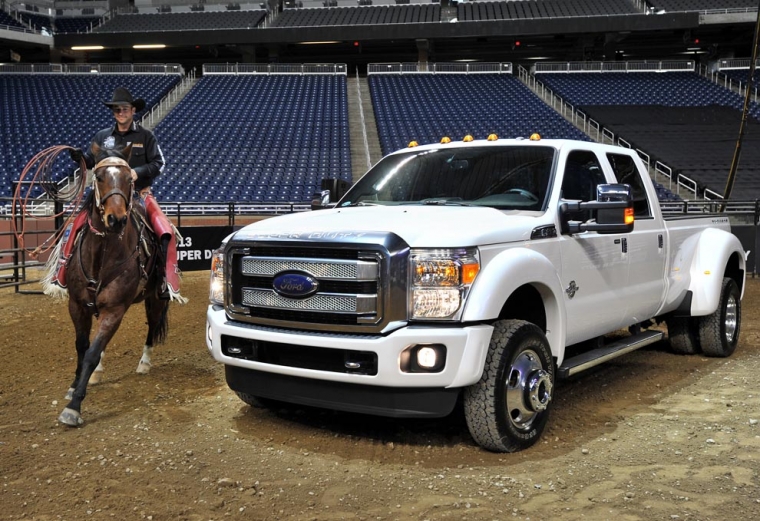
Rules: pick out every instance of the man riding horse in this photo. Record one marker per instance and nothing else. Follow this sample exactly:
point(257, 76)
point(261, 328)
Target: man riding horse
point(147, 162)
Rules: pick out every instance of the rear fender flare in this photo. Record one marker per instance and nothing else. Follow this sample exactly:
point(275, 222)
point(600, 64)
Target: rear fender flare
point(711, 257)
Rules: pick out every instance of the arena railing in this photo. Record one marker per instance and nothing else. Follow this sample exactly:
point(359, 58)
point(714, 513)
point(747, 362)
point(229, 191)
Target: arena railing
point(721, 78)
point(601, 134)
point(439, 68)
point(92, 68)
point(276, 68)
point(599, 66)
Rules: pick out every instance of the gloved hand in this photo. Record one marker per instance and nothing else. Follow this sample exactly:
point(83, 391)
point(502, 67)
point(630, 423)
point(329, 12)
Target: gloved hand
point(76, 154)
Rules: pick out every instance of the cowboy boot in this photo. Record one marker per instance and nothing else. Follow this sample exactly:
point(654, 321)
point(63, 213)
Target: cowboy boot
point(171, 269)
point(67, 246)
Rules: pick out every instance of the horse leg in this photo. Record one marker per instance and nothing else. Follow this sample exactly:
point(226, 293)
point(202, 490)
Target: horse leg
point(97, 375)
point(82, 326)
point(155, 311)
point(109, 323)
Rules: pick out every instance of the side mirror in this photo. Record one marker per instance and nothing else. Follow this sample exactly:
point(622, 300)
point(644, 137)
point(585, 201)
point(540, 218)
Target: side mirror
point(321, 200)
point(614, 211)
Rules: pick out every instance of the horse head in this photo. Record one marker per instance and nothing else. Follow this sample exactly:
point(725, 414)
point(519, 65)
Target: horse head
point(112, 176)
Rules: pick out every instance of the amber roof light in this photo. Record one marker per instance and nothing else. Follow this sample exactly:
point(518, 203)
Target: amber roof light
point(445, 139)
point(535, 136)
point(413, 144)
point(492, 137)
point(467, 138)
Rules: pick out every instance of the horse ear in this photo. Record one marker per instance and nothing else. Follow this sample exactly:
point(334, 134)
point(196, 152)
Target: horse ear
point(127, 151)
point(95, 150)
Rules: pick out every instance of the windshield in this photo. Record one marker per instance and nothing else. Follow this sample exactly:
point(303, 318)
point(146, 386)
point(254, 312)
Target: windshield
point(514, 178)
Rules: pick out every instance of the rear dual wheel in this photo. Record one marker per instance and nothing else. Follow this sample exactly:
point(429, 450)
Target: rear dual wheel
point(716, 334)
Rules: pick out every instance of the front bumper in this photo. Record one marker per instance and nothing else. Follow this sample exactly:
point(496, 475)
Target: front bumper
point(466, 349)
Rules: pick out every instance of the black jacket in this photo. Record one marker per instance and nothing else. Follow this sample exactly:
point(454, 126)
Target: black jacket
point(146, 159)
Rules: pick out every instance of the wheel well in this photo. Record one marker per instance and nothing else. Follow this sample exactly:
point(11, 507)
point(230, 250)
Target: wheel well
point(525, 303)
point(734, 270)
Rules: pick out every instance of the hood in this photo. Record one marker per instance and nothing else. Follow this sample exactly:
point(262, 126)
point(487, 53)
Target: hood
point(418, 226)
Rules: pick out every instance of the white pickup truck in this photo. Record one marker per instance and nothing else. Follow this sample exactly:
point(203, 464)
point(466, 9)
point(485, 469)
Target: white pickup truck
point(470, 268)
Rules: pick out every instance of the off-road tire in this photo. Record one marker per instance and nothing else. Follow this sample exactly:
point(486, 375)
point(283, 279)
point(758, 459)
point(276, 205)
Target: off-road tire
point(683, 335)
point(493, 416)
point(719, 332)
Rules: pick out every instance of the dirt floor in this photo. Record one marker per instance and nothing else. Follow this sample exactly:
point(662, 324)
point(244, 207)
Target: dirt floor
point(650, 436)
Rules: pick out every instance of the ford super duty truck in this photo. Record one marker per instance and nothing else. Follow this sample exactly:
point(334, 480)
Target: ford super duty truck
point(473, 272)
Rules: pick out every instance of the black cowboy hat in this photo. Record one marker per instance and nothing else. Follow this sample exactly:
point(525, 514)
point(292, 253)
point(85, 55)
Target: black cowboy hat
point(121, 96)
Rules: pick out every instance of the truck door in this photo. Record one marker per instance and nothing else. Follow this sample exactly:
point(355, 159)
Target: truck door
point(594, 266)
point(646, 244)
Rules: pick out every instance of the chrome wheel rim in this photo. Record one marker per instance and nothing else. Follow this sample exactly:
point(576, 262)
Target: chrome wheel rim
point(731, 322)
point(528, 390)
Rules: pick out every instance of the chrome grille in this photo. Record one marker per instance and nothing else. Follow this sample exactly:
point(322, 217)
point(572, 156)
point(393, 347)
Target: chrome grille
point(353, 284)
point(319, 302)
point(320, 268)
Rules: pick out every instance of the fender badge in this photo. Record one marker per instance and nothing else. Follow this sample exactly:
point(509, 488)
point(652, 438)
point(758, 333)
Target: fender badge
point(571, 289)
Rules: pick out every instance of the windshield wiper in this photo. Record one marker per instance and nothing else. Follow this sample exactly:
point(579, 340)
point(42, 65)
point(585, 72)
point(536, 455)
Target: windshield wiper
point(444, 202)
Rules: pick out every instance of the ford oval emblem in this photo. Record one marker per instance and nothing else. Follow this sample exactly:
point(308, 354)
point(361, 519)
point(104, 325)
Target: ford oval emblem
point(295, 284)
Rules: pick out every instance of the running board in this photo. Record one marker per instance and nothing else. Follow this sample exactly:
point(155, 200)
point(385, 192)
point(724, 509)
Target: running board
point(600, 355)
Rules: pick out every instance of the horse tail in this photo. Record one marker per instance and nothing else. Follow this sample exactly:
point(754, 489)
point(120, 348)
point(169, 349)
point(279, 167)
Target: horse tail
point(162, 329)
point(51, 268)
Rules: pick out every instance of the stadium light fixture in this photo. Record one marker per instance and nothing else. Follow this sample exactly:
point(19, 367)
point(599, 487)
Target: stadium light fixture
point(149, 46)
point(87, 48)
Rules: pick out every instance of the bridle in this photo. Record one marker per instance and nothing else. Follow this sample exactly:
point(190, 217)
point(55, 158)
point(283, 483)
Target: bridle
point(100, 200)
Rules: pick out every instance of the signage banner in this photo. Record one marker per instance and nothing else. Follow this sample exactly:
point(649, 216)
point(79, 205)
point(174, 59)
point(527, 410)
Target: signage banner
point(197, 244)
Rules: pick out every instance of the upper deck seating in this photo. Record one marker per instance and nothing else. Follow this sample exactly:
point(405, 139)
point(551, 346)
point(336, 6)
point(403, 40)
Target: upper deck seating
point(427, 107)
point(522, 9)
point(255, 138)
point(130, 23)
point(679, 118)
point(361, 15)
point(40, 111)
point(75, 25)
point(36, 21)
point(8, 20)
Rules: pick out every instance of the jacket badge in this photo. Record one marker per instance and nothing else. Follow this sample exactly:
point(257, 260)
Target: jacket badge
point(109, 142)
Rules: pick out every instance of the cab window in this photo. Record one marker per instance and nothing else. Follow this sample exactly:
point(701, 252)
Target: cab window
point(626, 172)
point(583, 174)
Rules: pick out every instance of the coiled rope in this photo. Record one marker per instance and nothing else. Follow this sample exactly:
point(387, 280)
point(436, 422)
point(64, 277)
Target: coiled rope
point(39, 172)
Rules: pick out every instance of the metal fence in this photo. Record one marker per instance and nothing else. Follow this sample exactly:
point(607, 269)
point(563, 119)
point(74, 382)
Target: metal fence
point(275, 68)
point(439, 68)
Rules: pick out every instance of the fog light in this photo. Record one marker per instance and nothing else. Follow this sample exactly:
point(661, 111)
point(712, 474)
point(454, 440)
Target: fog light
point(427, 358)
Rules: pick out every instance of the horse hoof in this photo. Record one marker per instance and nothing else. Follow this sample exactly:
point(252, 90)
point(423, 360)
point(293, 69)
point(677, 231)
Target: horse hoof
point(69, 394)
point(143, 368)
point(96, 377)
point(71, 417)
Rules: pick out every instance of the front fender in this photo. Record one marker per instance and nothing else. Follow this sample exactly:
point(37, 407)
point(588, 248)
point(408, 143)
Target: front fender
point(712, 254)
point(505, 273)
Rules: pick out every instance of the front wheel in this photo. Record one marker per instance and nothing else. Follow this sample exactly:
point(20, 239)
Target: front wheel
point(508, 408)
point(719, 332)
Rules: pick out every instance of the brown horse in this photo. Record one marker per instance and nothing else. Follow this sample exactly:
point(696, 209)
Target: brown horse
point(113, 265)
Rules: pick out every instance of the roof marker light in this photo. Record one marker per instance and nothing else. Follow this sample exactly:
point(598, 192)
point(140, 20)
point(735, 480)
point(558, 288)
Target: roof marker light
point(413, 144)
point(445, 139)
point(492, 137)
point(467, 138)
point(535, 136)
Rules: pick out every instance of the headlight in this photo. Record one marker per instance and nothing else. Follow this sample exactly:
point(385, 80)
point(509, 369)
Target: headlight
point(216, 283)
point(440, 280)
